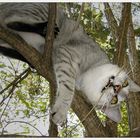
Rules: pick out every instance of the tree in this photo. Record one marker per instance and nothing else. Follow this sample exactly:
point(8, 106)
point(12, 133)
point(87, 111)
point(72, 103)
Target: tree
point(122, 32)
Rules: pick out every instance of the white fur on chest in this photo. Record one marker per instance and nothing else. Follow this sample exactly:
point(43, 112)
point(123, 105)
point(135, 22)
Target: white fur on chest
point(94, 80)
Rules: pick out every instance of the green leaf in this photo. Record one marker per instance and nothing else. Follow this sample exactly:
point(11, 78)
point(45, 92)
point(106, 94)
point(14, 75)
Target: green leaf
point(23, 100)
point(2, 65)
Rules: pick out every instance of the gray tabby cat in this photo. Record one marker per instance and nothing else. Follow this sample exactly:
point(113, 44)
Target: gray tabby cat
point(78, 61)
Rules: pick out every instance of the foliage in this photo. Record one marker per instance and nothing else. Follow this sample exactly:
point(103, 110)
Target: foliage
point(123, 128)
point(30, 98)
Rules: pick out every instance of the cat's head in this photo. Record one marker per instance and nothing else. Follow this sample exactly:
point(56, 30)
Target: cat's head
point(106, 87)
point(117, 88)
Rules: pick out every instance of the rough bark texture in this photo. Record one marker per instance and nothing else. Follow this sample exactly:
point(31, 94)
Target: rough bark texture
point(121, 43)
point(120, 38)
point(111, 21)
point(134, 98)
point(47, 57)
point(92, 124)
point(126, 26)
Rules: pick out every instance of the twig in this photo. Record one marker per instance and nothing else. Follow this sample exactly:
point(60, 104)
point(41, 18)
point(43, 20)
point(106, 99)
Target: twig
point(21, 122)
point(12, 90)
point(12, 65)
point(20, 136)
point(111, 21)
point(79, 17)
point(38, 117)
point(15, 82)
point(11, 94)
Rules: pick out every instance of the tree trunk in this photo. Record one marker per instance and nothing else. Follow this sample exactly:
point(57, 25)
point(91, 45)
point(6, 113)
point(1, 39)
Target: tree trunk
point(120, 39)
point(134, 98)
point(47, 57)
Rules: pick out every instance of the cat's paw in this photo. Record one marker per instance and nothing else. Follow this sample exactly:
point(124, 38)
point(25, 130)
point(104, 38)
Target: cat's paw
point(59, 114)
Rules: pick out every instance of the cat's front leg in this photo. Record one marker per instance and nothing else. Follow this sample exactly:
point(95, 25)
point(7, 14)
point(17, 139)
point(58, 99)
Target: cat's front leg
point(65, 71)
point(65, 92)
point(61, 107)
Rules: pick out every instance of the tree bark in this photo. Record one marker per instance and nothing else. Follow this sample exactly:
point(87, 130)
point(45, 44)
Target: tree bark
point(92, 123)
point(47, 57)
point(120, 39)
point(121, 43)
point(111, 21)
point(134, 98)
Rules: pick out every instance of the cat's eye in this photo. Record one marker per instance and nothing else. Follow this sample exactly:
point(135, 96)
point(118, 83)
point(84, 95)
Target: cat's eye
point(125, 84)
point(114, 100)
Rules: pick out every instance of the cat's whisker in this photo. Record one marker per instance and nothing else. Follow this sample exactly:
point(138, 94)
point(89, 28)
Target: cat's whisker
point(93, 108)
point(99, 125)
point(129, 72)
point(103, 105)
point(101, 121)
point(121, 69)
point(132, 71)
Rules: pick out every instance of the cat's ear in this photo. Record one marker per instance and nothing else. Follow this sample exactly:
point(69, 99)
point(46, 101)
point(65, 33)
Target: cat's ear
point(133, 87)
point(113, 113)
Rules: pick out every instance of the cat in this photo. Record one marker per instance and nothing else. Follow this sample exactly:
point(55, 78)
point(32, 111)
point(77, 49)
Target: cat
point(78, 61)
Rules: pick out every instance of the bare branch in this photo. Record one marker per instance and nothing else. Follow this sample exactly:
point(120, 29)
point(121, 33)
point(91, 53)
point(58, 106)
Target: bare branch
point(50, 34)
point(30, 53)
point(79, 104)
point(111, 20)
point(20, 136)
point(21, 122)
point(122, 34)
point(17, 80)
point(47, 56)
point(11, 94)
point(79, 17)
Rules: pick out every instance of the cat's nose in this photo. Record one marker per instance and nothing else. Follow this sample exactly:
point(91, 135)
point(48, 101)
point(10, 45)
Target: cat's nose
point(117, 88)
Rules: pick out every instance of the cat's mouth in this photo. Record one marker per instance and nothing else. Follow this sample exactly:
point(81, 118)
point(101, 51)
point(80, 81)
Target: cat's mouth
point(112, 102)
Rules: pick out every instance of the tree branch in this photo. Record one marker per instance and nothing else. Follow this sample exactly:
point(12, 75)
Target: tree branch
point(134, 99)
point(111, 21)
point(17, 80)
point(50, 34)
point(79, 17)
point(121, 43)
point(92, 122)
point(47, 57)
point(31, 54)
point(23, 123)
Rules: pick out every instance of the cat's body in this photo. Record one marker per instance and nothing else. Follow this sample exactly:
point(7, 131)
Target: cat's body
point(78, 61)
